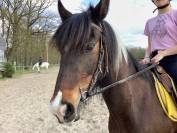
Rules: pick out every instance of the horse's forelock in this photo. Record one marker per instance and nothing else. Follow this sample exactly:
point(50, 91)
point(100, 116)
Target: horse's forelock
point(74, 32)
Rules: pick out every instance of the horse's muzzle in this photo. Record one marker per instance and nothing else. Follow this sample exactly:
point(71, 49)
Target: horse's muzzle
point(64, 112)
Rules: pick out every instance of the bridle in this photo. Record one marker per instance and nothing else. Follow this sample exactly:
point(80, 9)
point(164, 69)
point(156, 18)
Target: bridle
point(99, 74)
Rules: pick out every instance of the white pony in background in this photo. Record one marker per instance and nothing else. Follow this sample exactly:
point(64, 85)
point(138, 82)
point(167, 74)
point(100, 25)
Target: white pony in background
point(43, 65)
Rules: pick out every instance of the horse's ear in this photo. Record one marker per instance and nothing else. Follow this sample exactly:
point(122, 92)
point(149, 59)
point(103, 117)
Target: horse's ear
point(101, 10)
point(64, 14)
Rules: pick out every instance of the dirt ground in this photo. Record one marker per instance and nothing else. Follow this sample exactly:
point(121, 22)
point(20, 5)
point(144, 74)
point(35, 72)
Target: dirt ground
point(24, 107)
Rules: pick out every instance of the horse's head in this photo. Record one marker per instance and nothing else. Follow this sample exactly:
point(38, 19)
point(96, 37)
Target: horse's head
point(78, 39)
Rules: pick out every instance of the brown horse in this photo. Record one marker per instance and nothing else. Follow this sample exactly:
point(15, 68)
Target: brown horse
point(92, 56)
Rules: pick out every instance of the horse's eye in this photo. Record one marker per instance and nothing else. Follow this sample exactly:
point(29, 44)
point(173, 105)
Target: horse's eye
point(88, 48)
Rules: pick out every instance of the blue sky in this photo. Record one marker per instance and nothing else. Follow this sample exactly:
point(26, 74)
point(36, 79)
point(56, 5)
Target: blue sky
point(128, 17)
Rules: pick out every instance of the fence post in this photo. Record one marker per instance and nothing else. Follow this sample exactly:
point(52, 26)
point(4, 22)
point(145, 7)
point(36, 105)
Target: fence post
point(15, 66)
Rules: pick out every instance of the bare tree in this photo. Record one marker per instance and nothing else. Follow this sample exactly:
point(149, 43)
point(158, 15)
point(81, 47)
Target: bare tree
point(24, 19)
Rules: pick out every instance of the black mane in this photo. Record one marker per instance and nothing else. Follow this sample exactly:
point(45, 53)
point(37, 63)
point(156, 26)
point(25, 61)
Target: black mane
point(138, 67)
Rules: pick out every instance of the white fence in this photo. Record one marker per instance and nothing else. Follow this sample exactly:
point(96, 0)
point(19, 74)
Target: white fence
point(2, 56)
point(21, 67)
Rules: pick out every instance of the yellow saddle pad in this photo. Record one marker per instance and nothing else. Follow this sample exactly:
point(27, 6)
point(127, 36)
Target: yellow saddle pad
point(166, 100)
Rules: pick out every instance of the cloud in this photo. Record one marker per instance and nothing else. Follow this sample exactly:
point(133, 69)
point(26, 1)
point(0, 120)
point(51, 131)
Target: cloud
point(129, 17)
point(73, 6)
point(88, 2)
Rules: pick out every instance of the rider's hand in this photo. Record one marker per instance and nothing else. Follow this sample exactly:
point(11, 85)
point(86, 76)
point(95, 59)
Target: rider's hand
point(146, 60)
point(158, 57)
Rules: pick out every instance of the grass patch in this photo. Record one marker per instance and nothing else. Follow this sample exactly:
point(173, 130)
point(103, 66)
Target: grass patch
point(22, 72)
point(18, 73)
point(1, 78)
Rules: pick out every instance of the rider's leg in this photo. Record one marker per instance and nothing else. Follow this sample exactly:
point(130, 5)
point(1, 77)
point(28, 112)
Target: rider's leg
point(169, 63)
point(38, 68)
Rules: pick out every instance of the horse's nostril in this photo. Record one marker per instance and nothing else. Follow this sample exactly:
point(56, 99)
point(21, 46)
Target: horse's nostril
point(69, 114)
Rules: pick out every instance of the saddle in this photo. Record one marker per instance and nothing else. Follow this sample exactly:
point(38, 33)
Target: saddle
point(166, 81)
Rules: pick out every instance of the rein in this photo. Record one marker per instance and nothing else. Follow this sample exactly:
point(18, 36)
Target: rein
point(98, 90)
point(99, 74)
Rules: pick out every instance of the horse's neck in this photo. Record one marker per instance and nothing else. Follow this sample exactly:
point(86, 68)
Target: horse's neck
point(123, 92)
point(125, 101)
point(120, 91)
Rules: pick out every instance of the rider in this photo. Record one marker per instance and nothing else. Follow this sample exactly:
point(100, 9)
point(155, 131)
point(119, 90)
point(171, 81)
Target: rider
point(40, 61)
point(162, 38)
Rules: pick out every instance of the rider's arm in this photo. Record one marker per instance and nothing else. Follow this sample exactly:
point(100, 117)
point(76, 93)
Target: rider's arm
point(170, 51)
point(146, 59)
point(148, 50)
